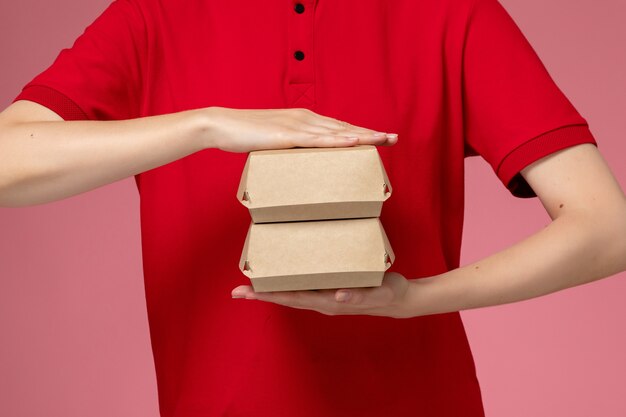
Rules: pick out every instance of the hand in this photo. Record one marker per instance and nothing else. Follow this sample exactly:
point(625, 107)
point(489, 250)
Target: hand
point(390, 299)
point(243, 130)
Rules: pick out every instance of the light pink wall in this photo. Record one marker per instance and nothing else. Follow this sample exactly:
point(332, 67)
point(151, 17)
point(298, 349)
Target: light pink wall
point(73, 329)
point(563, 354)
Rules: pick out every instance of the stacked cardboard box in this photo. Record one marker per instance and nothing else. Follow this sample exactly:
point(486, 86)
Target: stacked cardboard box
point(315, 218)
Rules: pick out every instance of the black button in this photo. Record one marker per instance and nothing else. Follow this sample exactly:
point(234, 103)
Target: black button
point(299, 55)
point(299, 8)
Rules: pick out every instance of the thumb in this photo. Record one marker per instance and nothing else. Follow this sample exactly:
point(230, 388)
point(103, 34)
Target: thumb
point(356, 296)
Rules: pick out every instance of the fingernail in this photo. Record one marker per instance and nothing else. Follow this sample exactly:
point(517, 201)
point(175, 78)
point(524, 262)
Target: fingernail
point(343, 295)
point(379, 134)
point(392, 135)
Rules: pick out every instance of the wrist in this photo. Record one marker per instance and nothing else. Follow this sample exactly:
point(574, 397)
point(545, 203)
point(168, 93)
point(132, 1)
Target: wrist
point(433, 295)
point(204, 127)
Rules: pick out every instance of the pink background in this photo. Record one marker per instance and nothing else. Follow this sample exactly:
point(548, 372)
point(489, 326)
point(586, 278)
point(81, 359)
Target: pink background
point(73, 329)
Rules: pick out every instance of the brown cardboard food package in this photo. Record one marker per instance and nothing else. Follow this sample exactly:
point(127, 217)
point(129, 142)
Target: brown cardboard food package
point(315, 218)
point(314, 184)
point(316, 254)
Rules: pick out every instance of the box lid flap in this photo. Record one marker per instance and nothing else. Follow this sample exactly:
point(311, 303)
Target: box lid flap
point(313, 175)
point(276, 249)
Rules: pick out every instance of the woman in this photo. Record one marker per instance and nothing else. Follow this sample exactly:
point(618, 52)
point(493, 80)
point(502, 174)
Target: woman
point(175, 93)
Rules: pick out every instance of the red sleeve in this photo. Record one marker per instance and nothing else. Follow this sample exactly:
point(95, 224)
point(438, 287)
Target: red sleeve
point(99, 77)
point(514, 112)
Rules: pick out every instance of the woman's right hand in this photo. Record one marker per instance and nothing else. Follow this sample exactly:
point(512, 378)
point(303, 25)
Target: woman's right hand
point(44, 158)
point(246, 130)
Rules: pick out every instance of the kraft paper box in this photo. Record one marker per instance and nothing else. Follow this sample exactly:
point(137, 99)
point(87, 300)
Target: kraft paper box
point(316, 254)
point(314, 184)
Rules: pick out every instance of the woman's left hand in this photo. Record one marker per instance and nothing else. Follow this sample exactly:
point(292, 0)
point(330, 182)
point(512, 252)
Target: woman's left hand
point(390, 299)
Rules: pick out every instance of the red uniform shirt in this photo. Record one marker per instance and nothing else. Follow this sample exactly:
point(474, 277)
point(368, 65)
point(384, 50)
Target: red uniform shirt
point(452, 77)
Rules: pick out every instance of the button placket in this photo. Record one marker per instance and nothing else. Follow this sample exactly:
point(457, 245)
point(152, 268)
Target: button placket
point(300, 80)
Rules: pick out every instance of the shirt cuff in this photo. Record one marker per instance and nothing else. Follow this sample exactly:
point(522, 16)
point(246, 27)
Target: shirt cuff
point(54, 100)
point(509, 169)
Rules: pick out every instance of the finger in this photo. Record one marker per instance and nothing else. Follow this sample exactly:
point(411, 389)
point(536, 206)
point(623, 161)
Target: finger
point(322, 301)
point(342, 125)
point(335, 139)
point(392, 139)
point(322, 125)
point(332, 123)
point(387, 140)
point(324, 140)
point(366, 297)
point(298, 299)
point(242, 291)
point(346, 131)
point(368, 135)
point(319, 121)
